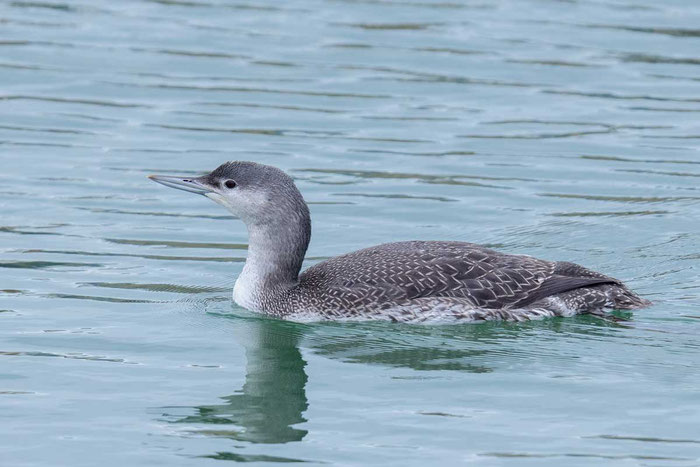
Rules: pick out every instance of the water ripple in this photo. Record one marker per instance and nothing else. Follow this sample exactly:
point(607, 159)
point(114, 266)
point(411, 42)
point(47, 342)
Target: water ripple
point(178, 244)
point(67, 100)
point(613, 95)
point(36, 264)
point(73, 356)
point(243, 89)
point(622, 199)
point(45, 264)
point(676, 32)
point(646, 439)
point(171, 288)
point(427, 178)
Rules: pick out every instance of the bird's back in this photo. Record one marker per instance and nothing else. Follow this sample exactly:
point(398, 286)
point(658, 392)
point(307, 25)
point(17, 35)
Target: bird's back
point(436, 275)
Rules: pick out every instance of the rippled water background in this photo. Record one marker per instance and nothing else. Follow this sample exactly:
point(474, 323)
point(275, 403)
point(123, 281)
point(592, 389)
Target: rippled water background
point(562, 129)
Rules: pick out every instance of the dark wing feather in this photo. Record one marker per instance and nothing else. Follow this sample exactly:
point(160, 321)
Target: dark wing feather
point(558, 284)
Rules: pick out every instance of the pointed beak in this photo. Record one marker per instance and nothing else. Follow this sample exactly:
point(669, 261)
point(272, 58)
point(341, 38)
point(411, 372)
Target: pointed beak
point(191, 184)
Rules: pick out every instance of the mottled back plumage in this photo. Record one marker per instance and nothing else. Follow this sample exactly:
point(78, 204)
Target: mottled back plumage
point(422, 280)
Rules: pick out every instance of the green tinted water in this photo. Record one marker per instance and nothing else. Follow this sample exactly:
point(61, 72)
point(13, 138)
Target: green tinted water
point(565, 130)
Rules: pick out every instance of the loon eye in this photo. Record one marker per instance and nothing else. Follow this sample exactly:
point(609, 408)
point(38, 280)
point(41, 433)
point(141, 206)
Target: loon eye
point(230, 184)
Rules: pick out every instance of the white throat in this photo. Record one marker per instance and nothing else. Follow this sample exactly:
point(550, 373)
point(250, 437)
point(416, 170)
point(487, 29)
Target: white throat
point(249, 288)
point(246, 292)
point(267, 272)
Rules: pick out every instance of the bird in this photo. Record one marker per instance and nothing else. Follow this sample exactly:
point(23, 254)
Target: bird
point(408, 281)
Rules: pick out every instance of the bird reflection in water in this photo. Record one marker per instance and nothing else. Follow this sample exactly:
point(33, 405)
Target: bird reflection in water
point(272, 402)
point(273, 398)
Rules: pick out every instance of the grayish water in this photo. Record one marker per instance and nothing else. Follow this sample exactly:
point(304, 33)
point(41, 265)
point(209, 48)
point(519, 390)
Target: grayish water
point(562, 129)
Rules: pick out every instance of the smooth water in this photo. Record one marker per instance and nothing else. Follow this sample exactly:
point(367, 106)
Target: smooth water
point(561, 129)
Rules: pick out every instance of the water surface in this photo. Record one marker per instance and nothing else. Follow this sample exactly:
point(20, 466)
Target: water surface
point(566, 130)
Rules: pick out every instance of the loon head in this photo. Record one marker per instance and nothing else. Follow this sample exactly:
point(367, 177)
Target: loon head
point(257, 194)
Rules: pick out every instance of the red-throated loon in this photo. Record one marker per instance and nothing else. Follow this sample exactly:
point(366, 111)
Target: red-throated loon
point(416, 281)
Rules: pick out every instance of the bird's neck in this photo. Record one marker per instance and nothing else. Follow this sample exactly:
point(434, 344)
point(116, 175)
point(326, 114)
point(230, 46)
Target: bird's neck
point(276, 251)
